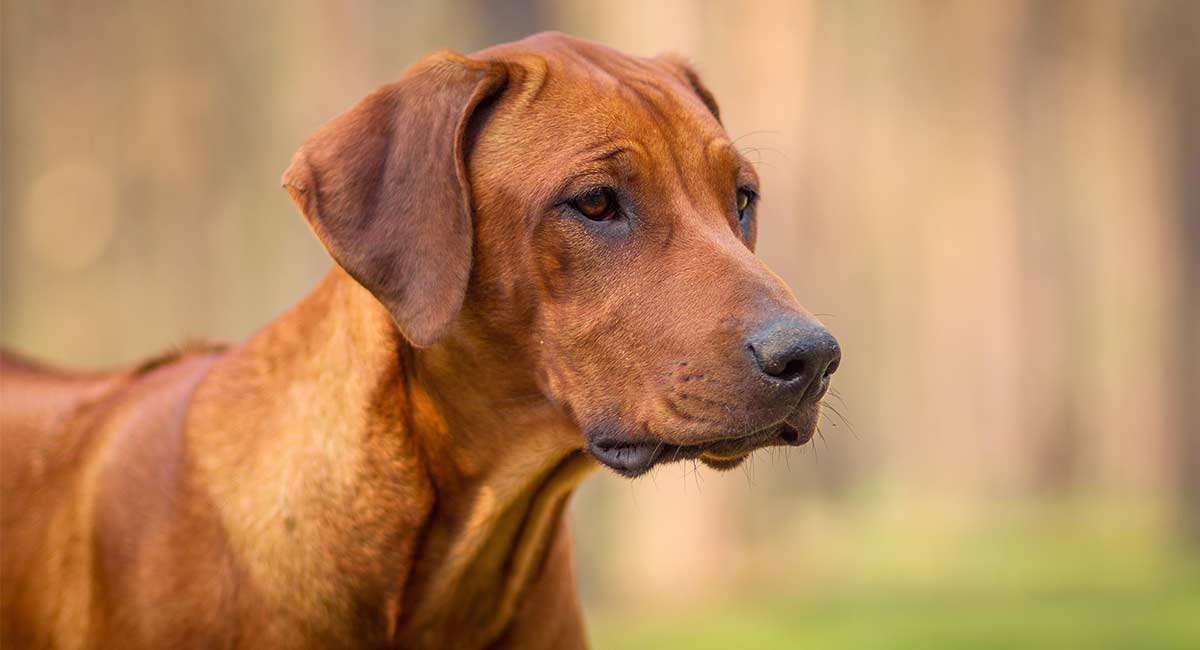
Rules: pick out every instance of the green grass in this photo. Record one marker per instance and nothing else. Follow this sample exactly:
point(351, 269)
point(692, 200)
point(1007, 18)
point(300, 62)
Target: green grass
point(1062, 581)
point(1168, 619)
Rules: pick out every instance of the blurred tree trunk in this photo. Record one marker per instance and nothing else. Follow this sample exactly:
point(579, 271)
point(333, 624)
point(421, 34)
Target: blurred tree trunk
point(1050, 280)
point(509, 20)
point(1175, 45)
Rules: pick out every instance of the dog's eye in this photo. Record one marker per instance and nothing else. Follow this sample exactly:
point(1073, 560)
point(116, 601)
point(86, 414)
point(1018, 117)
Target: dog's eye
point(598, 205)
point(743, 202)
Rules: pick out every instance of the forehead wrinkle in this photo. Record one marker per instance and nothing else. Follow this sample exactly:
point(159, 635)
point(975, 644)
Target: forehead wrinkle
point(609, 149)
point(678, 117)
point(660, 122)
point(607, 155)
point(695, 173)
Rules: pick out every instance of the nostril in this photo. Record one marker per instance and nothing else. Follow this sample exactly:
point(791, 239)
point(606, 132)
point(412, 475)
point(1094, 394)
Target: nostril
point(793, 369)
point(787, 366)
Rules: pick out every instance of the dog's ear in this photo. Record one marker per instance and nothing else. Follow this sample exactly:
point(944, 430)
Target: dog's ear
point(384, 186)
point(682, 68)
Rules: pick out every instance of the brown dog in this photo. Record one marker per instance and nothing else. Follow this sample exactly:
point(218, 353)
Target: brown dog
point(544, 259)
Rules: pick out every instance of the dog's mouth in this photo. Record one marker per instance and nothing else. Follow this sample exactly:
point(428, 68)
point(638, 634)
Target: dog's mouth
point(635, 458)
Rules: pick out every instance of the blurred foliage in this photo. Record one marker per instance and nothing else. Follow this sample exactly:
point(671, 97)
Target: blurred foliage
point(993, 205)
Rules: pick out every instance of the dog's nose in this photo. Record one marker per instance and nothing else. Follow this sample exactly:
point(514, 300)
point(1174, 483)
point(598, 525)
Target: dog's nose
point(800, 353)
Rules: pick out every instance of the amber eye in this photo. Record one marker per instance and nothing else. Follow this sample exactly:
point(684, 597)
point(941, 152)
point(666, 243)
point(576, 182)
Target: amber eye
point(743, 200)
point(597, 205)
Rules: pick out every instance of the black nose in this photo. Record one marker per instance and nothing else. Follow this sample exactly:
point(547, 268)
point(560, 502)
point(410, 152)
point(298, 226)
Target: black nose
point(800, 353)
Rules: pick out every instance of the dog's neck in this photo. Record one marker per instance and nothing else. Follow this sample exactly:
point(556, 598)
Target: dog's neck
point(427, 482)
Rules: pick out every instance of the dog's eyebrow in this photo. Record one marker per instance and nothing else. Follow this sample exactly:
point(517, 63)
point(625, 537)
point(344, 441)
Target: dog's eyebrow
point(606, 151)
point(722, 149)
point(722, 146)
point(589, 163)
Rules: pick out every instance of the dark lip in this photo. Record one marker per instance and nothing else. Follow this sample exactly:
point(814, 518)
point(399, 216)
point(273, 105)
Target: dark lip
point(634, 458)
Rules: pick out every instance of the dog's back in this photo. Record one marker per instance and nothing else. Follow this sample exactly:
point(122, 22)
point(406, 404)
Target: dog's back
point(56, 428)
point(44, 440)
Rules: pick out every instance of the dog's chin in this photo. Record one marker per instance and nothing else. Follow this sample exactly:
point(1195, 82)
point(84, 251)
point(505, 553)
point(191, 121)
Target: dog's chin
point(635, 458)
point(723, 464)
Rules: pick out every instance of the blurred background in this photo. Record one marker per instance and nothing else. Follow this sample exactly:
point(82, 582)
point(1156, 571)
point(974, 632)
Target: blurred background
point(994, 205)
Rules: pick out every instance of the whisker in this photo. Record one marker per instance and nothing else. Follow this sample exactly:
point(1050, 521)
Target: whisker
point(759, 132)
point(757, 153)
point(839, 397)
point(833, 409)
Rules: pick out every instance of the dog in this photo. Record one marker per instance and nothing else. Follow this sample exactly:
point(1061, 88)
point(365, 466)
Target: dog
point(543, 265)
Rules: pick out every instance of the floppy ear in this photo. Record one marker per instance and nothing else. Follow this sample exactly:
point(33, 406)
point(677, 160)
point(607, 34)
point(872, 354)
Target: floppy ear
point(682, 68)
point(384, 186)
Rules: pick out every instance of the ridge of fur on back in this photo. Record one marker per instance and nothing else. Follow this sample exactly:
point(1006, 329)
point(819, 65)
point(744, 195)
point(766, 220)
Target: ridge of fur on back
point(179, 352)
point(11, 361)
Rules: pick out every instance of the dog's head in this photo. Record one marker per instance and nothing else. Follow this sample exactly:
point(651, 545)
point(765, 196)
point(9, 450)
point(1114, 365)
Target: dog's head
point(586, 210)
